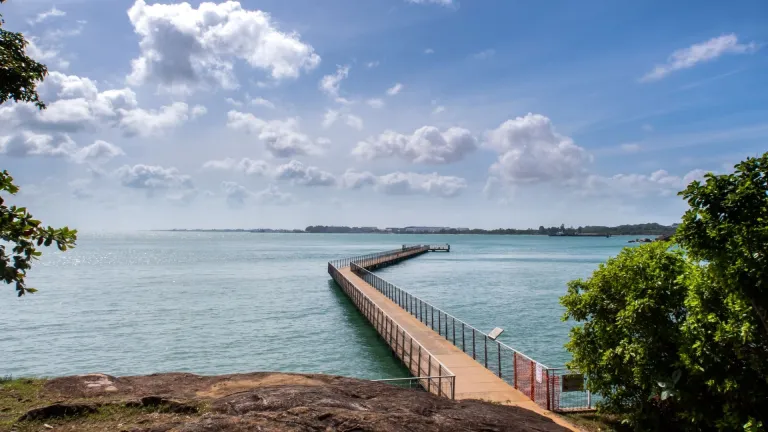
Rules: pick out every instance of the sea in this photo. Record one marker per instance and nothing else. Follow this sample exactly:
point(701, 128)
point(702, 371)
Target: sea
point(227, 302)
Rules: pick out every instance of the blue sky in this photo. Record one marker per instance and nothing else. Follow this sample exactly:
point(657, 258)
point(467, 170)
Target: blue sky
point(278, 113)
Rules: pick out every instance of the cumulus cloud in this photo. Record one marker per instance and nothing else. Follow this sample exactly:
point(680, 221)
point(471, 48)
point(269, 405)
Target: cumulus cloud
point(28, 144)
point(150, 177)
point(234, 102)
point(45, 54)
point(352, 179)
point(332, 116)
point(182, 47)
point(330, 84)
point(245, 166)
point(531, 151)
point(262, 102)
point(395, 89)
point(699, 53)
point(143, 122)
point(297, 173)
point(375, 103)
point(75, 104)
point(198, 111)
point(429, 51)
point(98, 152)
point(659, 182)
point(372, 64)
point(425, 145)
point(238, 195)
point(400, 183)
point(281, 137)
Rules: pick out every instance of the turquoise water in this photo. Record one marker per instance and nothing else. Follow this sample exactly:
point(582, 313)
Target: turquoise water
point(214, 303)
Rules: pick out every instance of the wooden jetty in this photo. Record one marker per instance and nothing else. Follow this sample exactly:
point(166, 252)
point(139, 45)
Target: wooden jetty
point(437, 364)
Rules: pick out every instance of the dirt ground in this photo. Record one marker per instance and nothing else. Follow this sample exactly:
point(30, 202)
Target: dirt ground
point(179, 402)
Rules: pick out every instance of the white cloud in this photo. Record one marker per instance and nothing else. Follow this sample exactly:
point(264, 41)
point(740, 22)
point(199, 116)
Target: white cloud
point(233, 102)
point(330, 84)
point(400, 183)
point(354, 122)
point(238, 195)
point(640, 185)
point(372, 64)
point(183, 47)
point(143, 122)
point(198, 111)
point(75, 104)
point(42, 16)
point(262, 102)
point(426, 145)
point(437, 2)
point(531, 151)
point(151, 177)
point(699, 53)
point(375, 103)
point(352, 179)
point(98, 152)
point(429, 51)
point(297, 173)
point(397, 88)
point(331, 116)
point(28, 144)
point(281, 137)
point(438, 109)
point(245, 166)
point(485, 54)
point(46, 55)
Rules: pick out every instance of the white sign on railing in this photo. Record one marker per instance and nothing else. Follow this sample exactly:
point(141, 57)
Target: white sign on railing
point(539, 370)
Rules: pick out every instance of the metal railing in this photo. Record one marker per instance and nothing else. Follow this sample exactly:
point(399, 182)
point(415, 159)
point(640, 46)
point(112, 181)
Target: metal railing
point(541, 384)
point(377, 257)
point(430, 373)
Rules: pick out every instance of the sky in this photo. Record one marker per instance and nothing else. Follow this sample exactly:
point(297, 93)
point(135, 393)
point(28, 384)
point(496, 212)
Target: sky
point(289, 113)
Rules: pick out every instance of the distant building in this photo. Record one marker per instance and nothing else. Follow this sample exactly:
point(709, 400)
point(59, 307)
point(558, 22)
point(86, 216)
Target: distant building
point(422, 229)
point(462, 229)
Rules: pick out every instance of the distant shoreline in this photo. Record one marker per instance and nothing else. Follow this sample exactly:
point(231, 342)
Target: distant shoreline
point(256, 231)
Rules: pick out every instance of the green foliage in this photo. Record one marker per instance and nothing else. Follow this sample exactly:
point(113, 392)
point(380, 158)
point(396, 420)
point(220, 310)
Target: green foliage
point(632, 307)
point(19, 74)
point(22, 235)
point(674, 337)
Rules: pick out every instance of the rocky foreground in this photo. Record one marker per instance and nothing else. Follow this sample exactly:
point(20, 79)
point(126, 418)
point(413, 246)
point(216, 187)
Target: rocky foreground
point(244, 402)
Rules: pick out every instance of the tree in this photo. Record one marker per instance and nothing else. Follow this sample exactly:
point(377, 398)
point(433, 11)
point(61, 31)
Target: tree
point(632, 307)
point(22, 233)
point(19, 74)
point(676, 338)
point(25, 233)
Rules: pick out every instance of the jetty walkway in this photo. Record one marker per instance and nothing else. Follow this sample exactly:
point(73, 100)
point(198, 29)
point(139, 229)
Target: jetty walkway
point(445, 356)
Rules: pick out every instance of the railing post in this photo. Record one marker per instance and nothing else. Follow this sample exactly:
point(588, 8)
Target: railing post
point(446, 327)
point(429, 373)
point(485, 359)
point(419, 363)
point(454, 330)
point(439, 327)
point(549, 404)
point(498, 348)
point(440, 380)
point(433, 316)
point(533, 381)
point(474, 357)
point(514, 369)
point(410, 358)
point(463, 342)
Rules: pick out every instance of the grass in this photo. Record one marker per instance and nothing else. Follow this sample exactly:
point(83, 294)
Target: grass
point(17, 396)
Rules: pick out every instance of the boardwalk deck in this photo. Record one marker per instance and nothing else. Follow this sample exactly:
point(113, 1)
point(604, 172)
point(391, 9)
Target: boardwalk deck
point(473, 381)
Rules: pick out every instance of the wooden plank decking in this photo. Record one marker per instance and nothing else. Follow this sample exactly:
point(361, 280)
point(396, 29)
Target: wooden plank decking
point(473, 381)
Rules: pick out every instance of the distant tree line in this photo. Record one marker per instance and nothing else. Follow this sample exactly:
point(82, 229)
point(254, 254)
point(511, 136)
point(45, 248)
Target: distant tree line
point(651, 229)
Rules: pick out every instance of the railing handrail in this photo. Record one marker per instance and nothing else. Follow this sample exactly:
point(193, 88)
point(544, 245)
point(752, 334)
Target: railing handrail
point(457, 319)
point(404, 331)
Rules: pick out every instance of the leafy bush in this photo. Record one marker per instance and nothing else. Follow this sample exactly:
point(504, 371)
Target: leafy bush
point(675, 336)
